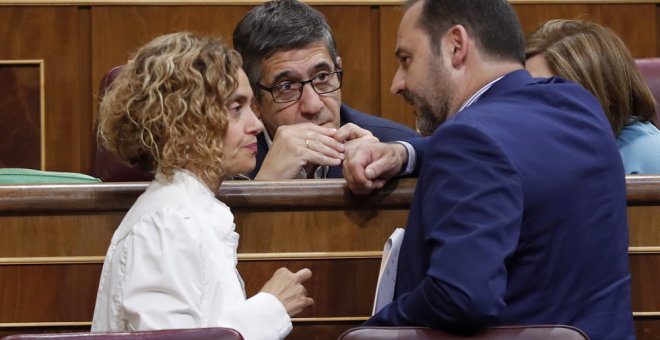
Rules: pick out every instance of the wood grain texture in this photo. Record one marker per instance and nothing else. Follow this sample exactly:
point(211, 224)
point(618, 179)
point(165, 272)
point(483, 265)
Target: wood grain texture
point(340, 288)
point(647, 328)
point(20, 95)
point(53, 293)
point(309, 226)
point(52, 34)
point(395, 107)
point(640, 37)
point(645, 279)
point(356, 34)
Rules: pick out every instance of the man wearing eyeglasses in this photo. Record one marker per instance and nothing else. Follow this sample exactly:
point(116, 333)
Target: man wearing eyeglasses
point(289, 54)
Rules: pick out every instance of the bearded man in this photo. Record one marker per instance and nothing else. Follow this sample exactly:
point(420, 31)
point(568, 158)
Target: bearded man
point(519, 215)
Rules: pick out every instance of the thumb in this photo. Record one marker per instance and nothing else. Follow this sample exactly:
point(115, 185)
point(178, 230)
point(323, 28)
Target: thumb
point(374, 170)
point(303, 274)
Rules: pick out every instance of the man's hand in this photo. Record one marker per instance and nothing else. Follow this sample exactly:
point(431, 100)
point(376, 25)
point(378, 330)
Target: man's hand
point(295, 146)
point(287, 287)
point(350, 131)
point(353, 136)
point(368, 166)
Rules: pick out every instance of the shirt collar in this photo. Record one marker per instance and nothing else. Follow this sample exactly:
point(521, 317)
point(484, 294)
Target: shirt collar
point(478, 94)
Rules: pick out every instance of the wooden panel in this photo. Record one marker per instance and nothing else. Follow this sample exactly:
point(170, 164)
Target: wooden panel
point(644, 226)
point(66, 292)
point(643, 210)
point(647, 328)
point(336, 288)
point(52, 34)
point(298, 231)
point(20, 109)
point(397, 109)
point(281, 224)
point(645, 282)
point(356, 33)
point(89, 235)
point(126, 28)
point(48, 293)
point(640, 37)
point(58, 235)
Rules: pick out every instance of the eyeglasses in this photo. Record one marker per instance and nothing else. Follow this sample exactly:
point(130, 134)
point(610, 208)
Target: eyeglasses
point(291, 91)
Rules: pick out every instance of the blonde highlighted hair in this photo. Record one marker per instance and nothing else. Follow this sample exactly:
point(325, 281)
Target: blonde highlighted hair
point(166, 110)
point(596, 58)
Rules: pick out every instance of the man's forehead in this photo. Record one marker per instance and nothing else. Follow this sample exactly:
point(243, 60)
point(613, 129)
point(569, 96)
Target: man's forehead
point(410, 32)
point(297, 62)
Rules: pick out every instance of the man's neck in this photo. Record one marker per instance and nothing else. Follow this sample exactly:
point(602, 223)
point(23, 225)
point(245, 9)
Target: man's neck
point(479, 75)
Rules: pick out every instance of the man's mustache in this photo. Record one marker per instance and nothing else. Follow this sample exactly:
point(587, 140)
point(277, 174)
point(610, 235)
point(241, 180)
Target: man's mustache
point(410, 98)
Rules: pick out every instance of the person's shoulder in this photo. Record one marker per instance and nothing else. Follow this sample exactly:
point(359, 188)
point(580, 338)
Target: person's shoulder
point(384, 129)
point(562, 89)
point(639, 136)
point(639, 145)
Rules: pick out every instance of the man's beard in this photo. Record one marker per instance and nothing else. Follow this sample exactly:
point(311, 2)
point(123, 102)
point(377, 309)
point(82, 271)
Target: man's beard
point(429, 116)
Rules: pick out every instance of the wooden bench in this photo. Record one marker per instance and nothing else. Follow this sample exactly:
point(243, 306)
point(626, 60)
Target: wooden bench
point(53, 239)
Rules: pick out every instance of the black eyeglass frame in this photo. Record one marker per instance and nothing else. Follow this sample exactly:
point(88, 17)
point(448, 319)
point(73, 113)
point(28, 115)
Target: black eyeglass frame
point(339, 73)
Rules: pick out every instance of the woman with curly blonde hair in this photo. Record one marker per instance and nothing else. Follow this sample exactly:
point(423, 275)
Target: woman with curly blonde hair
point(596, 58)
point(181, 108)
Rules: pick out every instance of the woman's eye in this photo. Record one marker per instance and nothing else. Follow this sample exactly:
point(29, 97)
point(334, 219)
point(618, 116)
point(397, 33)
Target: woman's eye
point(236, 108)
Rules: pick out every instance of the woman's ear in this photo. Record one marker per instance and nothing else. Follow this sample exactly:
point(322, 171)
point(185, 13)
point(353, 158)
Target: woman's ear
point(338, 63)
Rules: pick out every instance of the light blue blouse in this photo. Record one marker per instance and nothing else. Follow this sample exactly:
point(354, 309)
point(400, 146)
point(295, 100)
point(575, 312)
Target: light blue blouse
point(639, 145)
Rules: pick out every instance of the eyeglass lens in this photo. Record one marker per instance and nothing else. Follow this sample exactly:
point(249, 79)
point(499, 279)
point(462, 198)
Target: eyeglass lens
point(323, 83)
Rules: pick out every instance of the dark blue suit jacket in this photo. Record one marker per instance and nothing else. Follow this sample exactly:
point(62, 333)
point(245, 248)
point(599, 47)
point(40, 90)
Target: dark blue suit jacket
point(519, 217)
point(385, 130)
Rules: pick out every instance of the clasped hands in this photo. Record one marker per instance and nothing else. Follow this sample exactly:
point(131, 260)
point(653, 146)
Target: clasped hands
point(297, 146)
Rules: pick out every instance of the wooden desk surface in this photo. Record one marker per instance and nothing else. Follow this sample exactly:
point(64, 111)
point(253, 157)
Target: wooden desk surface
point(53, 240)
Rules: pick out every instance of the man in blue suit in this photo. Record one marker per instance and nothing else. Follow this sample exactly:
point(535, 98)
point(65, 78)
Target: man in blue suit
point(285, 46)
point(519, 215)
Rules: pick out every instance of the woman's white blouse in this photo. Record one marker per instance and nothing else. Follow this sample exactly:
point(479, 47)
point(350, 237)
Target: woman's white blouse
point(172, 264)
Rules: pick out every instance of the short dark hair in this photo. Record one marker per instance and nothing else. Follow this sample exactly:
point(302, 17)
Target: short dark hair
point(279, 25)
point(493, 24)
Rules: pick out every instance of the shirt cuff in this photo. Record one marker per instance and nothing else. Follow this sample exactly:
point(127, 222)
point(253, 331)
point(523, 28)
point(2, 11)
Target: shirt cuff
point(274, 312)
point(410, 165)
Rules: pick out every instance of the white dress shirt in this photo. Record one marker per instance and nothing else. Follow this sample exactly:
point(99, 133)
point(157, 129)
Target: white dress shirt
point(172, 264)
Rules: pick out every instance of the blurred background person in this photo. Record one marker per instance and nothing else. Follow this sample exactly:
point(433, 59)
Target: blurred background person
point(596, 58)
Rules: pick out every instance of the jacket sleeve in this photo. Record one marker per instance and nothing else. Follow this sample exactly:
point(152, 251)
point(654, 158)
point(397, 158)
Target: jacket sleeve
point(468, 205)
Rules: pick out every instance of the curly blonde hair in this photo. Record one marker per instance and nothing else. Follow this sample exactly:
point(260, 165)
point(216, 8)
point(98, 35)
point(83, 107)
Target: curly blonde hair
point(166, 110)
